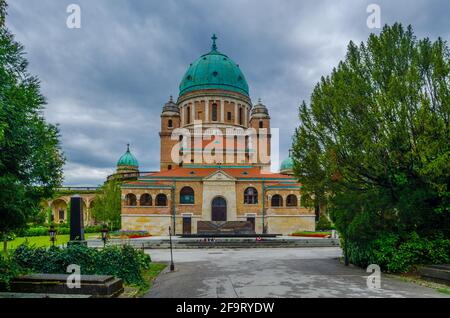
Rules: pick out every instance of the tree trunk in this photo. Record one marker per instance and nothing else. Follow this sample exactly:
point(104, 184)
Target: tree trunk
point(5, 243)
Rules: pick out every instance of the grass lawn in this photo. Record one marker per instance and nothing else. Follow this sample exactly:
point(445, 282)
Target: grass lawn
point(39, 241)
point(149, 277)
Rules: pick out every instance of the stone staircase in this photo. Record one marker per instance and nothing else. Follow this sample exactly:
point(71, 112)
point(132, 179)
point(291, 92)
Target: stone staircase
point(195, 243)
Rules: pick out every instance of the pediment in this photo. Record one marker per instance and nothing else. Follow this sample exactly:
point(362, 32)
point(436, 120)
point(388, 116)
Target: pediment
point(219, 175)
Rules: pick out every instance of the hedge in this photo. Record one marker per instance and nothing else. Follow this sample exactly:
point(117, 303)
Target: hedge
point(124, 262)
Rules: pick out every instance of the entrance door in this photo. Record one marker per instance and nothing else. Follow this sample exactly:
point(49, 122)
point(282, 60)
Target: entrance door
point(187, 225)
point(219, 209)
point(251, 219)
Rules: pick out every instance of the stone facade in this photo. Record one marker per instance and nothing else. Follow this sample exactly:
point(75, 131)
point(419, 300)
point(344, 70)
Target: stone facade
point(233, 184)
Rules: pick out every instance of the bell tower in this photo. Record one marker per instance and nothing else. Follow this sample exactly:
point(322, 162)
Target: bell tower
point(260, 122)
point(170, 120)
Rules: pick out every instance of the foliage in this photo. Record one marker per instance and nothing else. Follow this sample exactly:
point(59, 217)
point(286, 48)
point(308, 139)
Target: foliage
point(323, 224)
point(107, 204)
point(30, 156)
point(2, 22)
point(49, 215)
point(124, 262)
point(373, 144)
point(394, 254)
point(9, 269)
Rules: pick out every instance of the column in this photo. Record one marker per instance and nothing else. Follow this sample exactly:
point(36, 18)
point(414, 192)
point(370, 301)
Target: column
point(245, 115)
point(222, 110)
point(193, 112)
point(236, 113)
point(182, 116)
point(207, 110)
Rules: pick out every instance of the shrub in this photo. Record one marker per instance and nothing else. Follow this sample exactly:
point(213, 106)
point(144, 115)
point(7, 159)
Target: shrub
point(323, 224)
point(397, 255)
point(9, 269)
point(123, 262)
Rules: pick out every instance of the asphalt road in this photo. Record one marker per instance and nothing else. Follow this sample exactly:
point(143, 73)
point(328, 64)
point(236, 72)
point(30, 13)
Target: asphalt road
point(278, 272)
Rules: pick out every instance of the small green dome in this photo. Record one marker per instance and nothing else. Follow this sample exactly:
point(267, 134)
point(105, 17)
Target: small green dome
point(128, 159)
point(214, 70)
point(287, 164)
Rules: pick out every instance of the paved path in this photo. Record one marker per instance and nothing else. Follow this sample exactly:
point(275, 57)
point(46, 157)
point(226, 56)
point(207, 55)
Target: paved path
point(279, 272)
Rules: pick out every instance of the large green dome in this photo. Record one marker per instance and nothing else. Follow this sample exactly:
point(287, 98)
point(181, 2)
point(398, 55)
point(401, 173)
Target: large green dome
point(128, 160)
point(214, 70)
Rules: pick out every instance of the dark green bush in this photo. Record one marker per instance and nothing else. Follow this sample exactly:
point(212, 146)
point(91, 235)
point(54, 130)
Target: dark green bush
point(323, 224)
point(9, 269)
point(397, 255)
point(123, 262)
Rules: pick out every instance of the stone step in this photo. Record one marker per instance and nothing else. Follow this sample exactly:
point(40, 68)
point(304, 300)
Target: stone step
point(99, 286)
point(438, 273)
point(227, 243)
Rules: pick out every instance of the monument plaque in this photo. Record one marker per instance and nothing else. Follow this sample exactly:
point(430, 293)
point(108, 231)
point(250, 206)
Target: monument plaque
point(76, 220)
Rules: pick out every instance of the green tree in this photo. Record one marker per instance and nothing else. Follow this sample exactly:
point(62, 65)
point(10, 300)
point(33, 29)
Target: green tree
point(30, 156)
point(373, 143)
point(107, 204)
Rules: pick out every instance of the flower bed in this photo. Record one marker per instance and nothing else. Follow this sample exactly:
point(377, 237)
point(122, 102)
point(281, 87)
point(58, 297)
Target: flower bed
point(312, 234)
point(129, 234)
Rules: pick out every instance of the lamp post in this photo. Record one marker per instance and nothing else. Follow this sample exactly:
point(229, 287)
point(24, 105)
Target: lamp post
point(104, 234)
point(52, 233)
point(172, 265)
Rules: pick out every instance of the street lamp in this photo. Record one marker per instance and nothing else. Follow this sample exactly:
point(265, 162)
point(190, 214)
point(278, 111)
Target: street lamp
point(172, 265)
point(52, 233)
point(104, 234)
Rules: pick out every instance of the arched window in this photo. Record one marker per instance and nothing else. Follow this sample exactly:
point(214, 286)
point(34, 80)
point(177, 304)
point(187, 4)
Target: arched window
point(188, 115)
point(161, 200)
point(291, 200)
point(277, 200)
point(187, 196)
point(61, 214)
point(250, 196)
point(131, 199)
point(240, 116)
point(261, 124)
point(146, 200)
point(170, 123)
point(214, 112)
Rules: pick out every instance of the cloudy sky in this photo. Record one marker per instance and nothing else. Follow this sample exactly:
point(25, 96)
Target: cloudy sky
point(106, 82)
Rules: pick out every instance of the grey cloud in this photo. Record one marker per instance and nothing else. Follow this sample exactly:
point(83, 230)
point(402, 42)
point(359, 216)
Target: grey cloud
point(106, 83)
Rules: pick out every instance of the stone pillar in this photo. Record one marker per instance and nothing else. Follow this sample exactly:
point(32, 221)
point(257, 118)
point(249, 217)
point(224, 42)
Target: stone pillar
point(207, 111)
point(193, 112)
point(245, 116)
point(182, 116)
point(222, 111)
point(236, 114)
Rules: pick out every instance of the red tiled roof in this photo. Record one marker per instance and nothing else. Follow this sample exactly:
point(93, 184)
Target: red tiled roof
point(238, 173)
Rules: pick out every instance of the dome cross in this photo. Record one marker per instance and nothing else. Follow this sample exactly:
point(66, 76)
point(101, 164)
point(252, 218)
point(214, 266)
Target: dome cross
point(214, 45)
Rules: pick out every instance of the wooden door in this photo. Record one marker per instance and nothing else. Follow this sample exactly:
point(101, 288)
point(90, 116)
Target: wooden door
point(219, 209)
point(187, 225)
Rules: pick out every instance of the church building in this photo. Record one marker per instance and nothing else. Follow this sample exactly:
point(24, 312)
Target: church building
point(214, 162)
